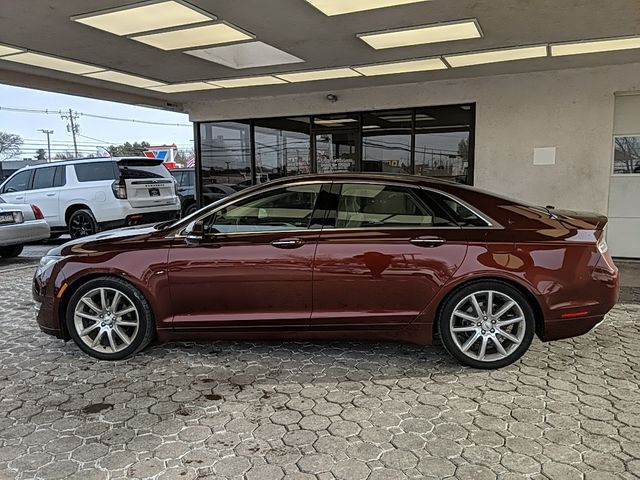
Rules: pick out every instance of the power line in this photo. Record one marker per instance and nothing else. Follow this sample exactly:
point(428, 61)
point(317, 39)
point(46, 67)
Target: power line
point(91, 115)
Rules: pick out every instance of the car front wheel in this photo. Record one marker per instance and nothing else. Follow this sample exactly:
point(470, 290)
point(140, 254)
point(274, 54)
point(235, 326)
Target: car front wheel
point(11, 251)
point(109, 319)
point(486, 324)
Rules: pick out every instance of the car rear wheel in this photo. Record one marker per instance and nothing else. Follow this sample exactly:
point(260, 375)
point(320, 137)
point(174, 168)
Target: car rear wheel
point(190, 209)
point(487, 324)
point(11, 251)
point(82, 223)
point(109, 319)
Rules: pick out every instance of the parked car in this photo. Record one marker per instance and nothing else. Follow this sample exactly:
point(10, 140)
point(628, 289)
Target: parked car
point(20, 224)
point(341, 256)
point(82, 197)
point(186, 182)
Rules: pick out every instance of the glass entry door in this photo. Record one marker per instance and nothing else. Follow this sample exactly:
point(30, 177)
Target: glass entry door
point(337, 151)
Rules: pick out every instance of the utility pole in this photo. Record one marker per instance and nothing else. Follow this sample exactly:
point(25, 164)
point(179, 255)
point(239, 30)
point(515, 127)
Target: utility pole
point(72, 127)
point(47, 133)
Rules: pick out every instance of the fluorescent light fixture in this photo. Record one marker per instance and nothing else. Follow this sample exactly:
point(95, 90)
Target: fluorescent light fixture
point(402, 67)
point(495, 56)
point(313, 75)
point(595, 46)
point(125, 79)
point(339, 7)
point(194, 36)
point(53, 63)
point(247, 81)
point(335, 121)
point(184, 87)
point(143, 17)
point(440, 32)
point(246, 55)
point(8, 50)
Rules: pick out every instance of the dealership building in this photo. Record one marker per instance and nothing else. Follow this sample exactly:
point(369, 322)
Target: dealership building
point(536, 100)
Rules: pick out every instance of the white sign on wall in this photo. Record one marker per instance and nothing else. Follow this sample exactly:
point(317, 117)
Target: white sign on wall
point(544, 156)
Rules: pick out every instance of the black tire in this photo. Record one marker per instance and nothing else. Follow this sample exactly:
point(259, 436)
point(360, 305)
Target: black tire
point(146, 324)
point(446, 317)
point(82, 223)
point(11, 251)
point(189, 209)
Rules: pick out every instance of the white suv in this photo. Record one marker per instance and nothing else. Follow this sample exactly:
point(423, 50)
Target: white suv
point(85, 196)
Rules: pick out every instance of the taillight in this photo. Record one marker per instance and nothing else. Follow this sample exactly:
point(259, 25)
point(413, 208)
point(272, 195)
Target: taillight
point(37, 212)
point(175, 185)
point(602, 242)
point(119, 188)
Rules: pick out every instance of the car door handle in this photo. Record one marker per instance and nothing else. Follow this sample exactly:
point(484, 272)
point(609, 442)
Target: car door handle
point(427, 241)
point(19, 198)
point(288, 243)
point(51, 194)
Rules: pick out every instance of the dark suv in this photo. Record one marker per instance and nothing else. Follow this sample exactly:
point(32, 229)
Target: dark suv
point(186, 182)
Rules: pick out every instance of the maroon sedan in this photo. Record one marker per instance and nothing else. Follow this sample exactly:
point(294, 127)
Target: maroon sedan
point(350, 256)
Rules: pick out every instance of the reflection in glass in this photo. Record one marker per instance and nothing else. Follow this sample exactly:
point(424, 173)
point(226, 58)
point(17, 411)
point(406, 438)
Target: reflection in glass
point(226, 158)
point(626, 157)
point(386, 142)
point(336, 151)
point(282, 148)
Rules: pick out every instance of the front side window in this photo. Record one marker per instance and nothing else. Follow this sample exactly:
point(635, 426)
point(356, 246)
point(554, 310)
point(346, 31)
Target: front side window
point(44, 178)
point(19, 183)
point(287, 208)
point(365, 205)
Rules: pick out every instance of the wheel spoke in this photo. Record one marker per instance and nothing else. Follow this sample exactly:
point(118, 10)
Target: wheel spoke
point(96, 340)
point(123, 336)
point(115, 301)
point(483, 348)
point(507, 306)
point(471, 341)
point(125, 311)
point(506, 335)
point(103, 299)
point(86, 316)
point(489, 303)
point(112, 342)
point(476, 305)
point(89, 329)
point(464, 329)
point(89, 303)
point(499, 346)
point(511, 321)
point(124, 323)
point(466, 316)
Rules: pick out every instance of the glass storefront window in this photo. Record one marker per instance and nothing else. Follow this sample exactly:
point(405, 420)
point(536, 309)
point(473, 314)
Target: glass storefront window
point(282, 148)
point(225, 150)
point(626, 157)
point(442, 143)
point(386, 141)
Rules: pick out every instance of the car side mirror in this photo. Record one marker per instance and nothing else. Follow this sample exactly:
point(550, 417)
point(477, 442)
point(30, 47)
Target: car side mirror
point(196, 234)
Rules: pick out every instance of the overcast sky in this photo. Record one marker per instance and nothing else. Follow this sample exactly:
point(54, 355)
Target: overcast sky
point(102, 132)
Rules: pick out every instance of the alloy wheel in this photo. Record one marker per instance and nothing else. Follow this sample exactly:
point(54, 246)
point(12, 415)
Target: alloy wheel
point(106, 320)
point(487, 325)
point(81, 225)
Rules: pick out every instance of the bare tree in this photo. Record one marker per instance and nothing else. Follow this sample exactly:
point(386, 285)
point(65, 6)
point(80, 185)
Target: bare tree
point(10, 144)
point(627, 155)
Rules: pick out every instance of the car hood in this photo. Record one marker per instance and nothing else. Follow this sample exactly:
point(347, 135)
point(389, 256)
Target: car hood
point(109, 240)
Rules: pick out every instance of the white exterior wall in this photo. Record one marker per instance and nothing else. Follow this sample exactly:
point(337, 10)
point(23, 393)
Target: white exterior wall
point(572, 110)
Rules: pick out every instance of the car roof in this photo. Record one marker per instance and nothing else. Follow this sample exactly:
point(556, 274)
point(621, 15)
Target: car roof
point(88, 159)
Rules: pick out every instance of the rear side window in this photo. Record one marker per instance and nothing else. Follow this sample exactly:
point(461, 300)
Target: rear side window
point(461, 214)
point(19, 183)
point(61, 176)
point(142, 169)
point(363, 205)
point(188, 179)
point(95, 171)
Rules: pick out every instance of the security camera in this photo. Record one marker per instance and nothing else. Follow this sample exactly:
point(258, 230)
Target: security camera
point(332, 97)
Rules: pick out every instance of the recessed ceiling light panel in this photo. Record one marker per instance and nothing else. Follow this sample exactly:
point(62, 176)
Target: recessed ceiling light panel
point(9, 50)
point(184, 87)
point(595, 46)
point(340, 7)
point(53, 63)
point(402, 67)
point(190, 37)
point(440, 32)
point(246, 55)
point(247, 81)
point(495, 56)
point(313, 75)
point(125, 79)
point(144, 17)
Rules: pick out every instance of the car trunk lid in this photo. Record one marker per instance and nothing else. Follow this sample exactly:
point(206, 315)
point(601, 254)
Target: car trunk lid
point(148, 182)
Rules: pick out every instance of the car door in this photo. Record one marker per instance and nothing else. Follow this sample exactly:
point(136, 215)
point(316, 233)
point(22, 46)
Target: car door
point(252, 265)
point(45, 192)
point(14, 190)
point(382, 256)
